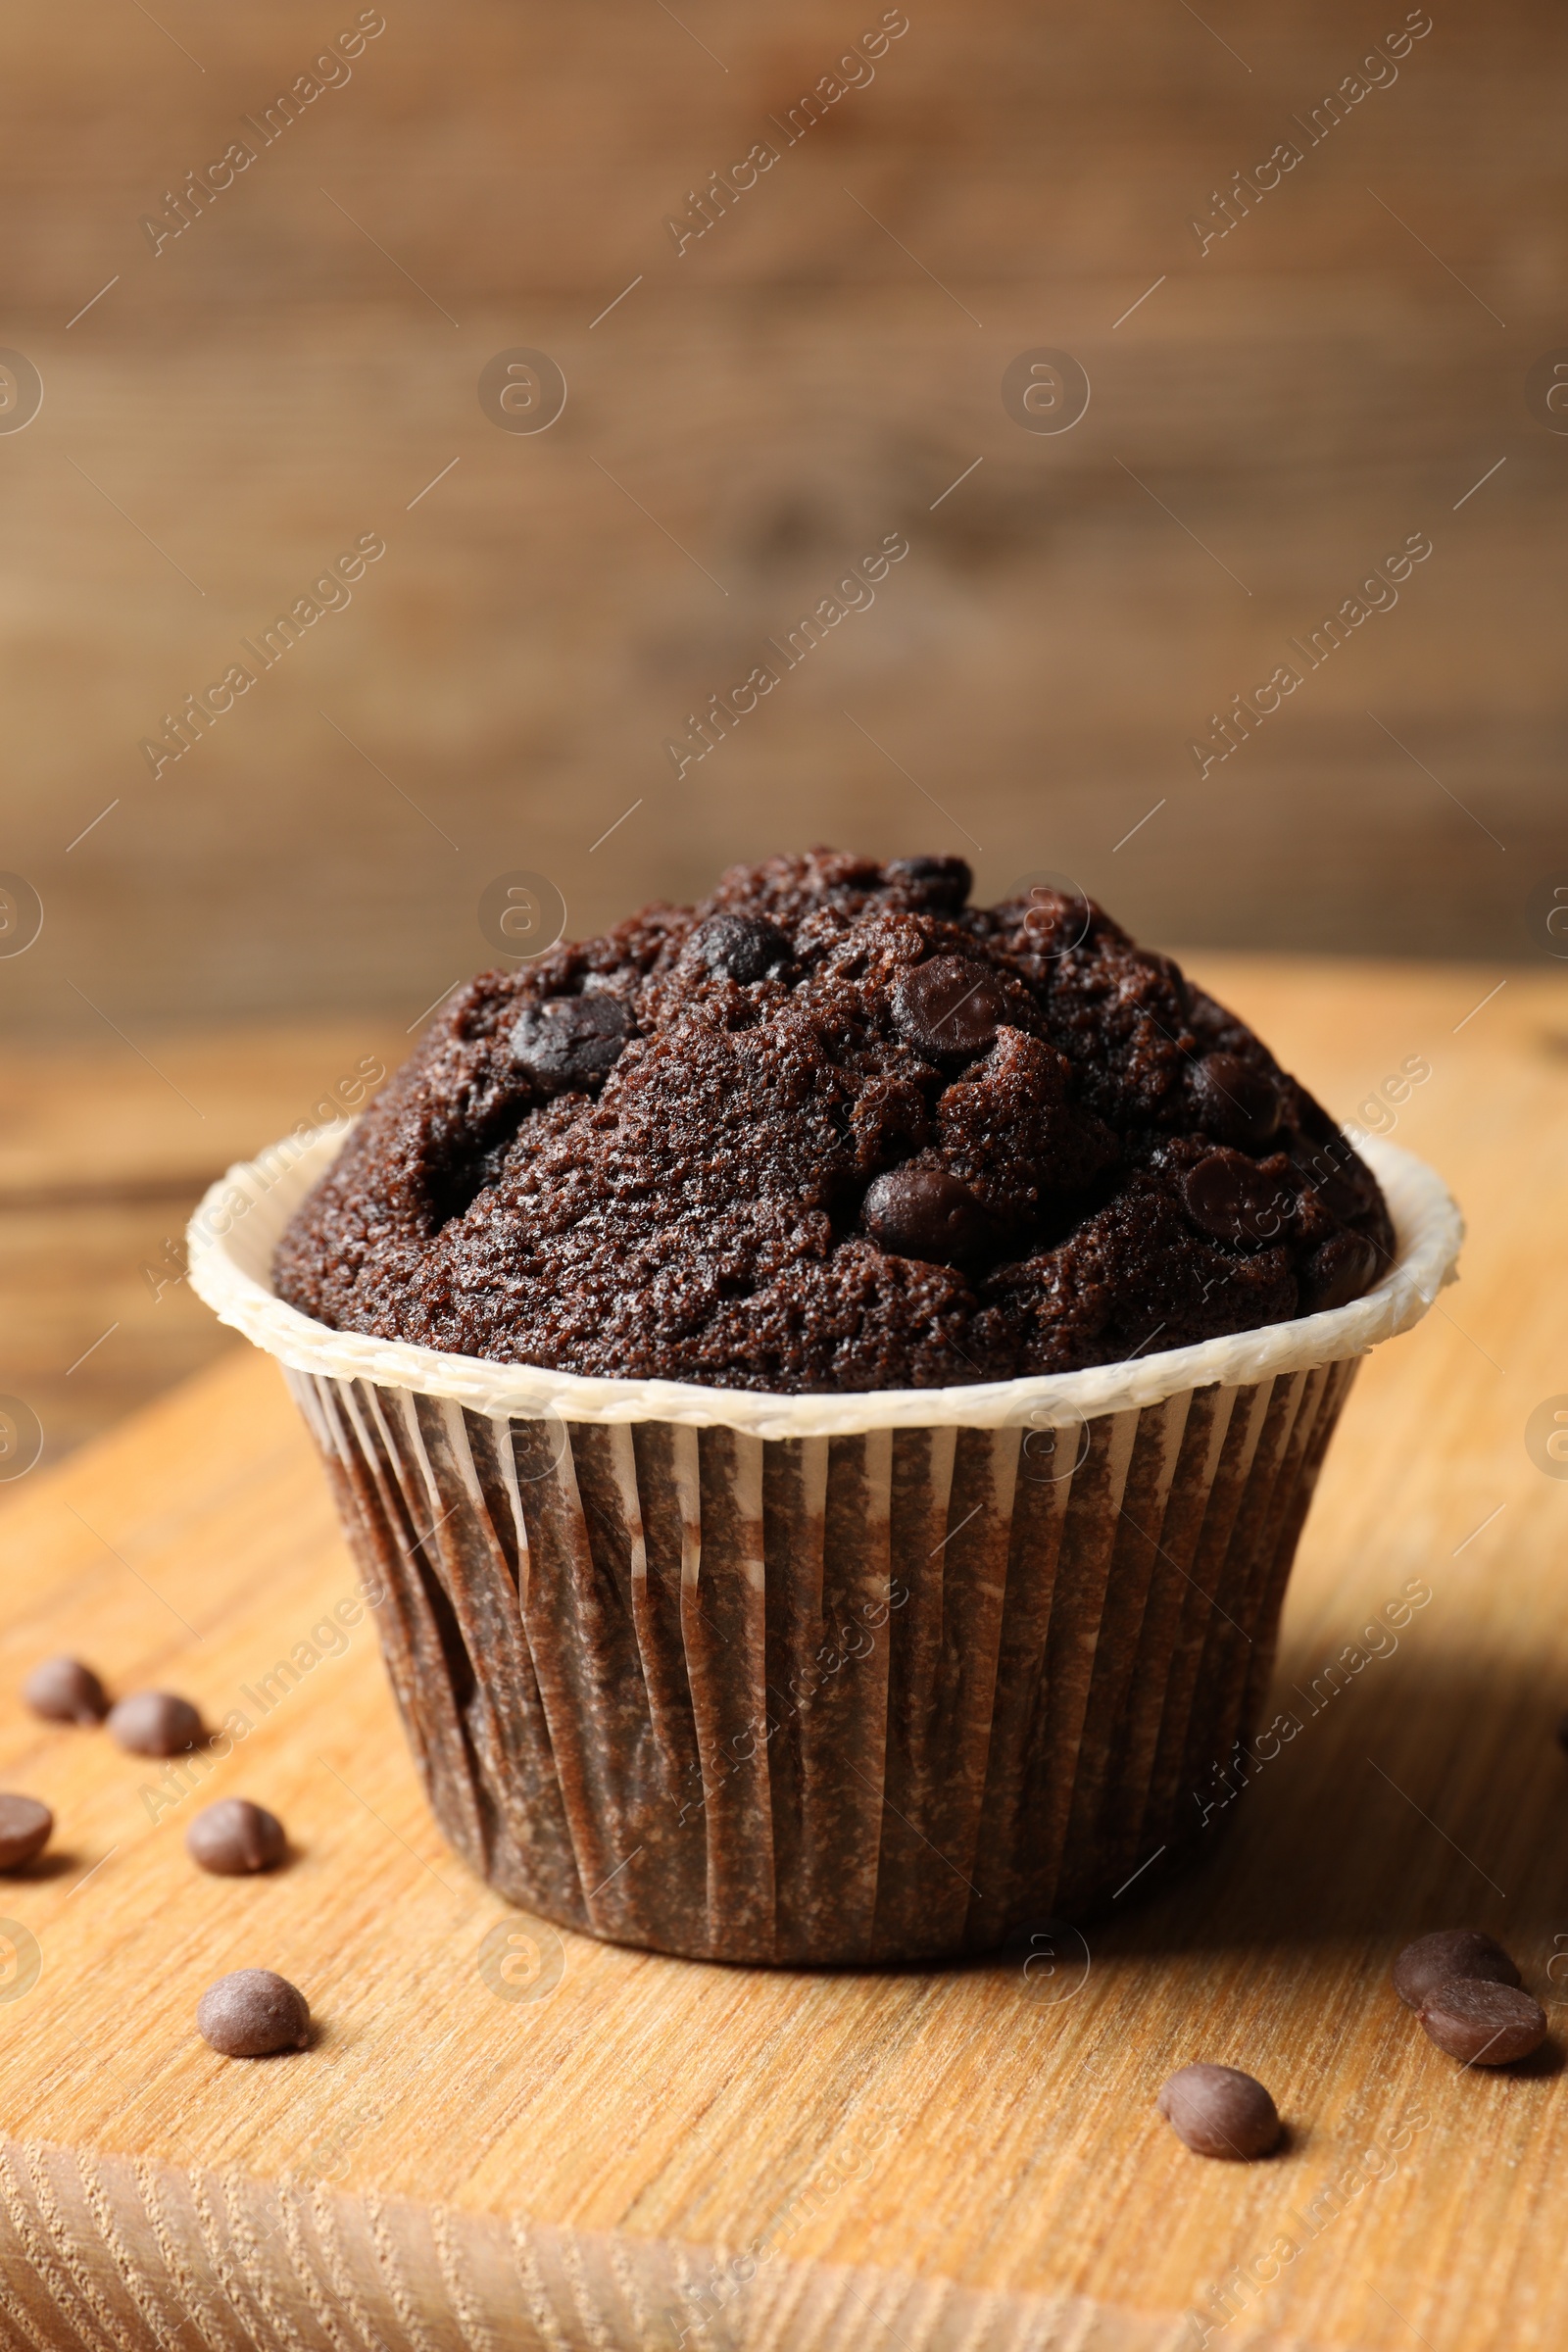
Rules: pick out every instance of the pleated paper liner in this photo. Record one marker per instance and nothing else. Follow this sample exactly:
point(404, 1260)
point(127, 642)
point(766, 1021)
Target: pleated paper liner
point(820, 1679)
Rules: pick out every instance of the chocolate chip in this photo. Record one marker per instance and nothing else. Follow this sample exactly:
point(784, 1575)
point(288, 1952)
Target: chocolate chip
point(253, 2013)
point(25, 1828)
point(1232, 1198)
point(926, 1213)
point(1337, 1272)
point(1219, 2111)
point(1326, 1166)
point(948, 1006)
point(740, 946)
point(1484, 2024)
point(1562, 1731)
point(942, 884)
point(233, 1838)
point(154, 1723)
point(1450, 1952)
point(571, 1040)
point(1235, 1104)
point(64, 1690)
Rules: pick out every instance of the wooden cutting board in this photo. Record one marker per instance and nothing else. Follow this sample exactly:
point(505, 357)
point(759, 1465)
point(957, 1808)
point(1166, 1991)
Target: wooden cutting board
point(507, 2138)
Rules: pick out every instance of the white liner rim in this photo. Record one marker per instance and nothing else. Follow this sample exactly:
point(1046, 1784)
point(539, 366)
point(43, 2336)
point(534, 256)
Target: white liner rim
point(235, 1231)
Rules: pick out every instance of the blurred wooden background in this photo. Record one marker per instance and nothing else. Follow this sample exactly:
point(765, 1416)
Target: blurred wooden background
point(295, 368)
point(301, 365)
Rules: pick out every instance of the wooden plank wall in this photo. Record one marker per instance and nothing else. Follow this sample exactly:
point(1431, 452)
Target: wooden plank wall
point(288, 374)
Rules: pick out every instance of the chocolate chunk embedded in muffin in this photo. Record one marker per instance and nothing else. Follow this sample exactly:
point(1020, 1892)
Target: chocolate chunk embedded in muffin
point(836, 1129)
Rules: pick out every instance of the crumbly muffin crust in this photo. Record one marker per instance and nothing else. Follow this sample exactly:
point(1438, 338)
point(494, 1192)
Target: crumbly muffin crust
point(836, 1129)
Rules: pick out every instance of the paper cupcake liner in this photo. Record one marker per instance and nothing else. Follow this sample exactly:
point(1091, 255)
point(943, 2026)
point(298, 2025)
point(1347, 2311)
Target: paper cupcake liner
point(798, 1680)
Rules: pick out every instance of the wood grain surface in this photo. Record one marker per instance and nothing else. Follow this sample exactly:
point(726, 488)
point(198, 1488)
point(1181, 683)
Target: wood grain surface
point(549, 2142)
point(107, 1148)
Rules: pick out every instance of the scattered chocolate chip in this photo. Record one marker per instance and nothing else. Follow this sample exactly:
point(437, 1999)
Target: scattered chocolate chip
point(924, 1212)
point(1232, 1198)
point(740, 946)
point(1450, 1952)
point(1219, 2111)
point(948, 1006)
point(1339, 1270)
point(65, 1691)
point(1235, 1104)
point(154, 1723)
point(24, 1830)
point(1562, 1731)
point(233, 1838)
point(571, 1040)
point(253, 2013)
point(1484, 2024)
point(942, 884)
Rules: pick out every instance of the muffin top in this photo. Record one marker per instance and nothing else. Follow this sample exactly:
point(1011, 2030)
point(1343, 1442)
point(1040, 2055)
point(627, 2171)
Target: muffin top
point(836, 1129)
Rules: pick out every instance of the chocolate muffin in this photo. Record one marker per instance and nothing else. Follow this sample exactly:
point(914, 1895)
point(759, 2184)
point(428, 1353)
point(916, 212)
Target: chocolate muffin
point(837, 1130)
